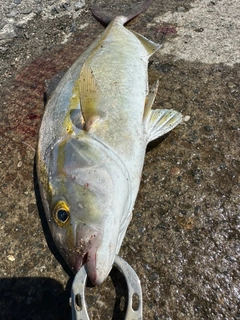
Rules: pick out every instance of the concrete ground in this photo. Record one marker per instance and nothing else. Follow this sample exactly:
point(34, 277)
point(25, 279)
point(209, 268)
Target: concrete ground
point(184, 239)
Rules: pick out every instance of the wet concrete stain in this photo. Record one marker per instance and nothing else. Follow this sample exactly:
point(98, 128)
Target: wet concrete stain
point(184, 239)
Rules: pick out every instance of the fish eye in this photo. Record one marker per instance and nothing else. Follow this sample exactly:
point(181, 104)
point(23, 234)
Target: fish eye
point(61, 214)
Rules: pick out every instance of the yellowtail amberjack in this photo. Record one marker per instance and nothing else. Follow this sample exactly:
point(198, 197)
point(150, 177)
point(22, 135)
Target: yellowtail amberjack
point(92, 143)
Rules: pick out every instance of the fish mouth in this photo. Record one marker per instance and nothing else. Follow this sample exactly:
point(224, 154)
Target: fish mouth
point(87, 239)
point(79, 261)
point(91, 252)
point(95, 267)
point(98, 266)
point(83, 251)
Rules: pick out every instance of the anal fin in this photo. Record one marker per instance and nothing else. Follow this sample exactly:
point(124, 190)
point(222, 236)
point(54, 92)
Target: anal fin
point(150, 99)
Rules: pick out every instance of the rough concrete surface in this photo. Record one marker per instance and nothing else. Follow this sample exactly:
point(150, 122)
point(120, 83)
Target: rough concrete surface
point(183, 241)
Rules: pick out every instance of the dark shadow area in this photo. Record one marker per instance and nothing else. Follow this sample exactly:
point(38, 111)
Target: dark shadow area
point(51, 84)
point(33, 298)
point(155, 143)
point(121, 290)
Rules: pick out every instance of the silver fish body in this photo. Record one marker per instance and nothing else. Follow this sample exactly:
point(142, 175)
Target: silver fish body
point(91, 148)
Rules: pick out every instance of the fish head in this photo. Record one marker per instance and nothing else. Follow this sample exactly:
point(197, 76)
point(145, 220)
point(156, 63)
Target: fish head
point(78, 226)
point(86, 200)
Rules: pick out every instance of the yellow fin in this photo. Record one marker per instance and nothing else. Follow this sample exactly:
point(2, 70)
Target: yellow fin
point(149, 45)
point(89, 96)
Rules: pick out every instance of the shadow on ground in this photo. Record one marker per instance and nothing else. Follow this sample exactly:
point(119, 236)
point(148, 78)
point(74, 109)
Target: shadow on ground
point(33, 298)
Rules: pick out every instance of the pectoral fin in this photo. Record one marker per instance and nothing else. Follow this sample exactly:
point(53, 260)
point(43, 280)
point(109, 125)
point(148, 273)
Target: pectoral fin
point(159, 121)
point(90, 96)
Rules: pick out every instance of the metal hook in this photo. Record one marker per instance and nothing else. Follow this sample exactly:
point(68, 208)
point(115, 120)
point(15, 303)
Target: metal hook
point(78, 302)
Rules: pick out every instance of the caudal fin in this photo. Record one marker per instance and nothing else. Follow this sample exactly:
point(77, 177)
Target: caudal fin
point(100, 14)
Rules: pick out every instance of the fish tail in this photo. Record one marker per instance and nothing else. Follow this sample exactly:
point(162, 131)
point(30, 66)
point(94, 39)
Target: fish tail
point(128, 15)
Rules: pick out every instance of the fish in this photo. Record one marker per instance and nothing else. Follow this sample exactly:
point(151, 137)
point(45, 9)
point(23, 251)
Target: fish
point(92, 143)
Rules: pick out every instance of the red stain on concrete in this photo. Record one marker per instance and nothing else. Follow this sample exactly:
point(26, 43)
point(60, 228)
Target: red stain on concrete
point(166, 29)
point(23, 97)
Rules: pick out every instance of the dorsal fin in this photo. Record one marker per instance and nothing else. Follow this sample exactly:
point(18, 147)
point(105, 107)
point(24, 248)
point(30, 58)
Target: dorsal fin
point(149, 45)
